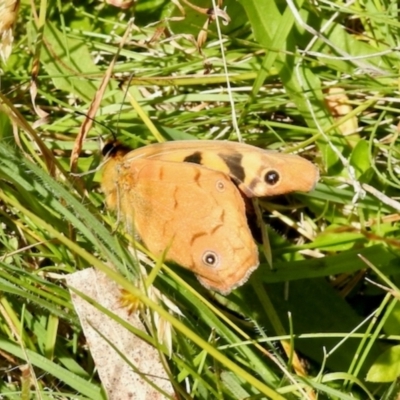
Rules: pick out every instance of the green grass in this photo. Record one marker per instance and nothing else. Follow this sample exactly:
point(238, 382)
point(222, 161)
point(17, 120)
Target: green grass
point(321, 296)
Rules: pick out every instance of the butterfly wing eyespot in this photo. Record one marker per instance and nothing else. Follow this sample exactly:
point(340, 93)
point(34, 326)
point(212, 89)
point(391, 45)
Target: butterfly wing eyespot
point(271, 177)
point(220, 186)
point(210, 259)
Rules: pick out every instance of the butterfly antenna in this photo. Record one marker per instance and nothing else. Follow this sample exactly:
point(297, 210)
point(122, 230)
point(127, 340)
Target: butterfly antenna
point(125, 92)
point(99, 123)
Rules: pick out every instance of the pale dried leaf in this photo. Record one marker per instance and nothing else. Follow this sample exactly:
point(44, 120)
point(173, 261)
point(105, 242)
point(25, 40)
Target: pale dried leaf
point(6, 41)
point(339, 106)
point(202, 36)
point(33, 92)
point(8, 15)
point(119, 380)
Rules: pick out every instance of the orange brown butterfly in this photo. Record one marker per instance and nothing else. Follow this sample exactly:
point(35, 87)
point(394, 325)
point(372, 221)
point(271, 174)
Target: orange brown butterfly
point(187, 198)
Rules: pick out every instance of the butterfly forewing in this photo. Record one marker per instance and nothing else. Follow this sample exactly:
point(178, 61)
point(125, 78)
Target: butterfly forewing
point(257, 172)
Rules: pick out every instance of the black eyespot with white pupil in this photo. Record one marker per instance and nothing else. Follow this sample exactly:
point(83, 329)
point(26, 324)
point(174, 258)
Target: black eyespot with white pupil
point(272, 177)
point(210, 258)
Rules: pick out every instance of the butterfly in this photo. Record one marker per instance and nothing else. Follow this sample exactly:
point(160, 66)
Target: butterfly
point(187, 199)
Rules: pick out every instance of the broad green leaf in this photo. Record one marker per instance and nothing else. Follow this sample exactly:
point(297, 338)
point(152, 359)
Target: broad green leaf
point(386, 368)
point(70, 65)
point(360, 160)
